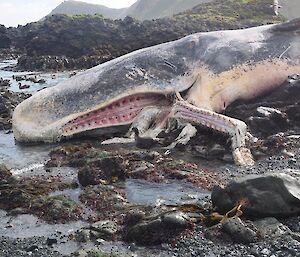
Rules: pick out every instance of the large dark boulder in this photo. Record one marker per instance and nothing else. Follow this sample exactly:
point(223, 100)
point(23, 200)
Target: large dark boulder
point(274, 195)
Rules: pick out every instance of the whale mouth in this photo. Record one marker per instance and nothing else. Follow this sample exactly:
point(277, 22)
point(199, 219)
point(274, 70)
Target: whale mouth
point(122, 111)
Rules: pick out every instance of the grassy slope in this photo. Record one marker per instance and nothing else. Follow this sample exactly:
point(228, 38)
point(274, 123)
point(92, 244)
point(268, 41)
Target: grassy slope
point(234, 11)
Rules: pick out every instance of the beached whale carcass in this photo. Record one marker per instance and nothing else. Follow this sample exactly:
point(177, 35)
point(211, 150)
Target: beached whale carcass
point(209, 70)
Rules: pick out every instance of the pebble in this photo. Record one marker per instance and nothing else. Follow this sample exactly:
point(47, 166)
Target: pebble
point(265, 251)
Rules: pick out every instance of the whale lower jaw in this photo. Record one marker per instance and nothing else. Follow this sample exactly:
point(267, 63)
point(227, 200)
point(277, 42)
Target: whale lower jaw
point(106, 119)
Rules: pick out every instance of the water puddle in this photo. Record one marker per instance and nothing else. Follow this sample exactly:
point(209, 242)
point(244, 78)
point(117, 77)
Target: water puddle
point(51, 78)
point(175, 192)
point(72, 193)
point(18, 156)
point(26, 225)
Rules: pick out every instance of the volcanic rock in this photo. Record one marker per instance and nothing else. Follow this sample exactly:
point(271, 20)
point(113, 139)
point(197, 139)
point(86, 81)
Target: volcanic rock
point(238, 230)
point(4, 172)
point(108, 169)
point(274, 195)
point(157, 229)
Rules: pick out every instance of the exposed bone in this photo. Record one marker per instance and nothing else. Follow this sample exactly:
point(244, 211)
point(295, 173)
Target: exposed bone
point(236, 129)
point(276, 7)
point(144, 120)
point(185, 136)
point(118, 140)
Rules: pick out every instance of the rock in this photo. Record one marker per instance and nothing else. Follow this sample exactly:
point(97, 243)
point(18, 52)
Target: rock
point(133, 217)
point(51, 241)
point(104, 199)
point(270, 227)
point(265, 121)
point(56, 208)
point(17, 211)
point(23, 193)
point(41, 81)
point(239, 231)
point(32, 248)
point(20, 78)
point(269, 121)
point(217, 235)
point(274, 195)
point(109, 169)
point(216, 151)
point(83, 235)
point(157, 229)
point(4, 172)
point(235, 230)
point(8, 101)
point(104, 230)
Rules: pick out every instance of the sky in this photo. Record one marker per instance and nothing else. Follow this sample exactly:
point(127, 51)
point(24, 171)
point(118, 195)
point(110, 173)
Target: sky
point(14, 12)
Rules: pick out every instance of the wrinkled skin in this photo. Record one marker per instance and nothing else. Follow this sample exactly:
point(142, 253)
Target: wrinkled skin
point(207, 72)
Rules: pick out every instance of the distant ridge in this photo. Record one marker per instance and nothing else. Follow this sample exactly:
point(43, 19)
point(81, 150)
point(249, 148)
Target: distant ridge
point(141, 10)
point(72, 7)
point(154, 9)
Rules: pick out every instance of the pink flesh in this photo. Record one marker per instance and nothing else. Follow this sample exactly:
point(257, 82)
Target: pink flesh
point(120, 112)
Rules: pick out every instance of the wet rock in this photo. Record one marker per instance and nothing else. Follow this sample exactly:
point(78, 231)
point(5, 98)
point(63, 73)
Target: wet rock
point(51, 241)
point(93, 165)
point(56, 208)
point(105, 170)
point(281, 114)
point(17, 211)
point(58, 63)
point(20, 78)
point(269, 121)
point(4, 172)
point(32, 248)
point(73, 155)
point(239, 231)
point(235, 230)
point(274, 195)
point(8, 101)
point(157, 229)
point(133, 217)
point(216, 151)
point(4, 83)
point(105, 199)
point(21, 193)
point(217, 235)
point(104, 229)
point(270, 228)
point(83, 235)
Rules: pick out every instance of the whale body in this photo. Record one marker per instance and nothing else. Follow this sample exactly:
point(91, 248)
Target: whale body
point(210, 70)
